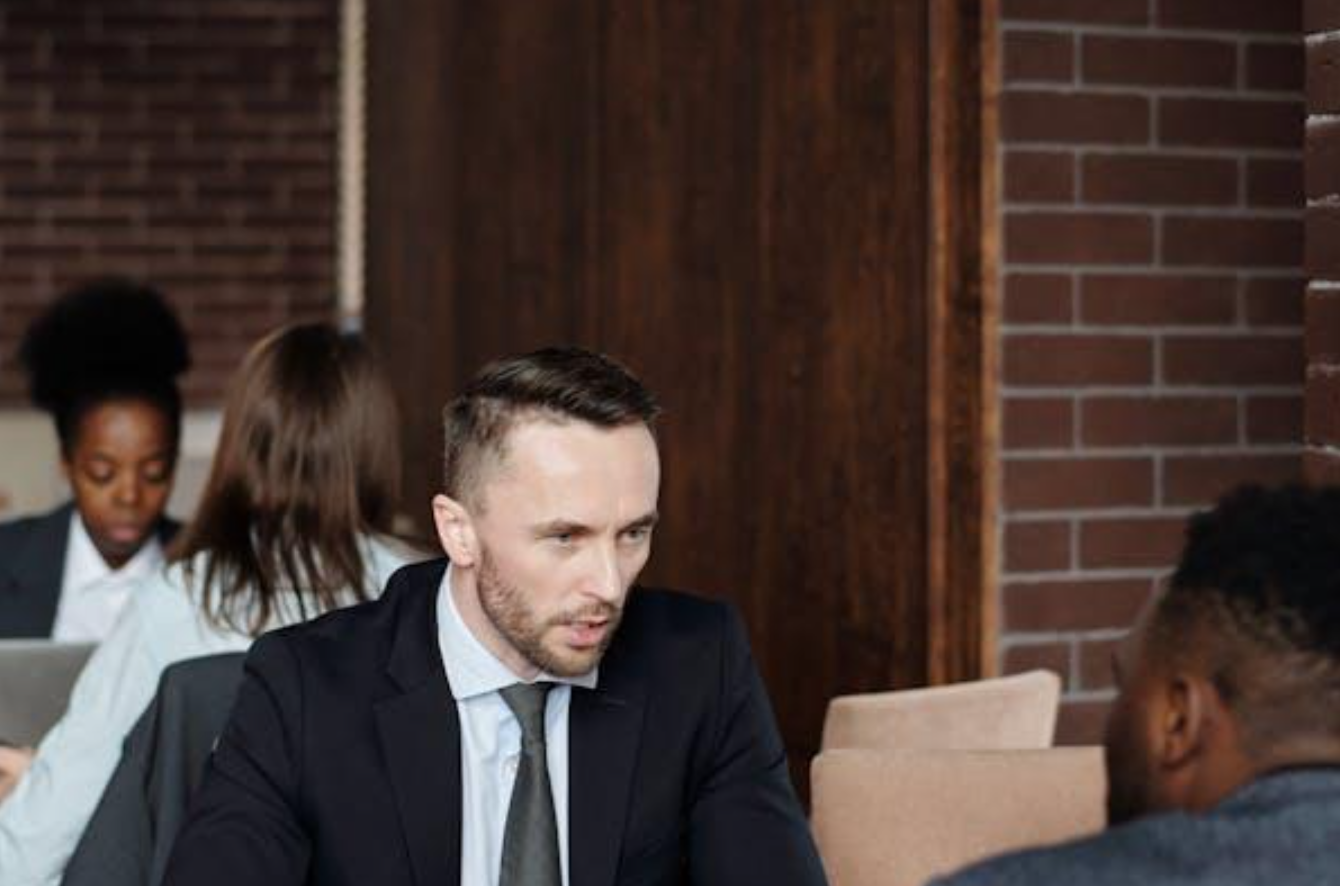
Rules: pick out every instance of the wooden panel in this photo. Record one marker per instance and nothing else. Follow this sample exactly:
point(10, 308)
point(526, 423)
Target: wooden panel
point(774, 211)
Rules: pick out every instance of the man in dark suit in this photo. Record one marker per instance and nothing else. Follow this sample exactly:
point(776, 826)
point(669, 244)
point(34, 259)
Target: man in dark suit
point(515, 716)
point(1223, 748)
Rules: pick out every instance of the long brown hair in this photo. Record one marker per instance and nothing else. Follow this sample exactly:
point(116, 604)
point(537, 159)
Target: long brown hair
point(307, 463)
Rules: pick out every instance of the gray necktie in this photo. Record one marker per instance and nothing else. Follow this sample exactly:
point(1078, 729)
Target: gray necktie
point(530, 842)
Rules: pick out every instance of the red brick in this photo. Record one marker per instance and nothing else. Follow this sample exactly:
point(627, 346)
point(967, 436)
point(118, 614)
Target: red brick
point(1109, 12)
point(1322, 60)
point(1077, 360)
point(1274, 420)
point(1022, 657)
point(1323, 325)
point(1202, 480)
point(1232, 360)
point(1081, 723)
point(1275, 66)
point(1321, 162)
point(1323, 409)
point(1070, 483)
point(1039, 55)
point(1130, 543)
point(1156, 300)
point(1037, 298)
point(1080, 118)
point(1078, 238)
point(1038, 423)
point(1158, 61)
point(1274, 301)
point(1232, 15)
point(1230, 122)
point(1158, 421)
point(1039, 177)
point(1095, 663)
point(1323, 242)
point(1232, 242)
point(1037, 545)
point(1160, 180)
point(1274, 182)
point(1074, 604)
point(1321, 467)
point(1320, 15)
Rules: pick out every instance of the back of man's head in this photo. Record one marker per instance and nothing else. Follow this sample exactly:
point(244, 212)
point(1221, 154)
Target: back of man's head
point(1256, 599)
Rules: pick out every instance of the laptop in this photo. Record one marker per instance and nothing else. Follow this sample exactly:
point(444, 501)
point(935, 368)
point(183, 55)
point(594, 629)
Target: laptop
point(36, 677)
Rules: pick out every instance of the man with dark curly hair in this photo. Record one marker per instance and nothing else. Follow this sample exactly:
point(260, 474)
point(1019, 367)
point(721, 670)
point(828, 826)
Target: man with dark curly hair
point(1223, 747)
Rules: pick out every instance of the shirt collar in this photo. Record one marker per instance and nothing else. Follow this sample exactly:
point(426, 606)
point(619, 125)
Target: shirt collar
point(85, 567)
point(472, 669)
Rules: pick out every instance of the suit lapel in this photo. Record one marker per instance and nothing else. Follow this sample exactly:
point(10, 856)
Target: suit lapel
point(421, 739)
point(604, 731)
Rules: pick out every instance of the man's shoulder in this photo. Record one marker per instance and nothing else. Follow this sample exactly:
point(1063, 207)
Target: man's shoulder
point(1090, 860)
point(671, 614)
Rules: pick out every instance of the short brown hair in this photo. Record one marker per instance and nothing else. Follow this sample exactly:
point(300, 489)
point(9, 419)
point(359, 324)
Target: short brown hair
point(558, 384)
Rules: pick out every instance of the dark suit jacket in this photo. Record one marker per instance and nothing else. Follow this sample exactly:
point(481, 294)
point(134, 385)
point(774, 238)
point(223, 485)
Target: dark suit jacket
point(1281, 830)
point(32, 565)
point(341, 762)
point(127, 841)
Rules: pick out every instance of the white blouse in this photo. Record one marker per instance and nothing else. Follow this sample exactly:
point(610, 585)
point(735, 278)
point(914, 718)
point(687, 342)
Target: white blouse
point(42, 820)
point(92, 594)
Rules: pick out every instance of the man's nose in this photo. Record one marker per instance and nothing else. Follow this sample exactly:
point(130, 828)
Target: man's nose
point(604, 579)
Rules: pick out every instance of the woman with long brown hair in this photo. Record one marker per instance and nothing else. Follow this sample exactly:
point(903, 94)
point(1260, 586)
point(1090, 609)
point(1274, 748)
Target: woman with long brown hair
point(294, 521)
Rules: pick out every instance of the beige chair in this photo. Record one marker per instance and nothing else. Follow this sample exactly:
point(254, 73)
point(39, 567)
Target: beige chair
point(898, 818)
point(1001, 713)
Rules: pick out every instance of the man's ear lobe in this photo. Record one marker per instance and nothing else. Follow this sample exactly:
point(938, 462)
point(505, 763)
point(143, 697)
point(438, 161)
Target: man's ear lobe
point(456, 531)
point(1184, 721)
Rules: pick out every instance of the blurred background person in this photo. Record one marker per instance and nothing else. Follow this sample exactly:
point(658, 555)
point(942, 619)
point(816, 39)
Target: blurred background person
point(103, 361)
point(295, 520)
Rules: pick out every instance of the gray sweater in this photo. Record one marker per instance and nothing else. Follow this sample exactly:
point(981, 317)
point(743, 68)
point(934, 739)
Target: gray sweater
point(1281, 830)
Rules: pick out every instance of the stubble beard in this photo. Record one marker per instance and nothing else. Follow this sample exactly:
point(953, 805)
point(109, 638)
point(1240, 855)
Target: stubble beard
point(515, 620)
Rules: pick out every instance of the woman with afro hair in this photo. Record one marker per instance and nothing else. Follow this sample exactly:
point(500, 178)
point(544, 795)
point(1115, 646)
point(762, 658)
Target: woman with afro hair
point(103, 360)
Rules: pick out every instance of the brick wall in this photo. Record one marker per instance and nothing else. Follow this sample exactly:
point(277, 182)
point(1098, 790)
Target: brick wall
point(1322, 24)
point(189, 143)
point(1151, 353)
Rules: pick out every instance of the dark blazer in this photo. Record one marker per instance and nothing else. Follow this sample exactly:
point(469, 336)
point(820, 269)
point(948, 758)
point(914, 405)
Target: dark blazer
point(32, 565)
point(341, 761)
point(127, 841)
point(1280, 830)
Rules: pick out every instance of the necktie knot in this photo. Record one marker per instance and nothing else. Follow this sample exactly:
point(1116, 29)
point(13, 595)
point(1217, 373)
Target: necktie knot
point(527, 701)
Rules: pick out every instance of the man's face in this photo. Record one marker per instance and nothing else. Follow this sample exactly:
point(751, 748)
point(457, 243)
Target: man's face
point(564, 529)
point(1132, 774)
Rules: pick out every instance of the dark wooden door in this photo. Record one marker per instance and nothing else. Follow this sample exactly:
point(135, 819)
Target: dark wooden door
point(774, 212)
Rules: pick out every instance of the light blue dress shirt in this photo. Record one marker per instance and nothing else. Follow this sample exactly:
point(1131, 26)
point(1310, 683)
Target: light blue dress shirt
point(491, 742)
point(41, 821)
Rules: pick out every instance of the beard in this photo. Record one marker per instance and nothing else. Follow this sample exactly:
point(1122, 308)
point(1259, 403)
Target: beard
point(512, 615)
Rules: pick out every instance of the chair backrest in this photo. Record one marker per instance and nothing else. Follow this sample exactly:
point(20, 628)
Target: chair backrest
point(36, 677)
point(898, 818)
point(129, 837)
point(996, 714)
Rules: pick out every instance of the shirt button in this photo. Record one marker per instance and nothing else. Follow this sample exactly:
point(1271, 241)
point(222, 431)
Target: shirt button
point(509, 765)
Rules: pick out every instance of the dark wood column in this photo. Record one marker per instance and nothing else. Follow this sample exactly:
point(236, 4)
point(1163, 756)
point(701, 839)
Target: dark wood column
point(777, 213)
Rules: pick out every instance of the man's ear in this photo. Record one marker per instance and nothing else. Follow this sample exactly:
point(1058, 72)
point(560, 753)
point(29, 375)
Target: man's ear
point(1185, 720)
point(456, 531)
